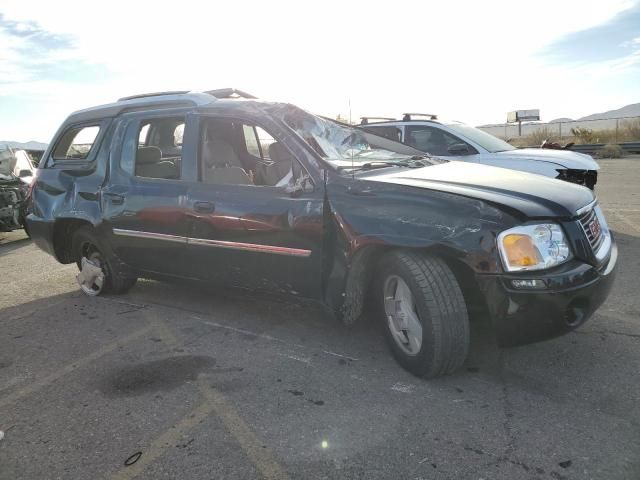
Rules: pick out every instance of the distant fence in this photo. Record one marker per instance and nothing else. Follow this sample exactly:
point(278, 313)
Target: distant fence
point(592, 148)
point(613, 130)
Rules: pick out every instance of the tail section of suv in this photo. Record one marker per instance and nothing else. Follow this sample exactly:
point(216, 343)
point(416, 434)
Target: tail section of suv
point(267, 196)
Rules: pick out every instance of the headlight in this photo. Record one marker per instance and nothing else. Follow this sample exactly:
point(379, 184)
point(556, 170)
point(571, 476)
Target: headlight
point(533, 247)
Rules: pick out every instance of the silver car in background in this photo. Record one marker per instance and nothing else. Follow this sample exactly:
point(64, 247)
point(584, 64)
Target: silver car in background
point(453, 140)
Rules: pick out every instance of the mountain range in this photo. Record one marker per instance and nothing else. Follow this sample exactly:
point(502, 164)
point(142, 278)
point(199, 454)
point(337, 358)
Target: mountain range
point(30, 145)
point(632, 110)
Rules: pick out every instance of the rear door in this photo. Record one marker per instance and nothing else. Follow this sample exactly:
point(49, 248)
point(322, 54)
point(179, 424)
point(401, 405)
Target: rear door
point(145, 199)
point(247, 227)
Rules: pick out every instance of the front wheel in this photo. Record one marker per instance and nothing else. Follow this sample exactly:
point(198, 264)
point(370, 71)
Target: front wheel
point(100, 271)
point(425, 319)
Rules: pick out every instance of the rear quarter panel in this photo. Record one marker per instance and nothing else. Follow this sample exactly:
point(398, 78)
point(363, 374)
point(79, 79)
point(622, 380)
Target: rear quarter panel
point(68, 189)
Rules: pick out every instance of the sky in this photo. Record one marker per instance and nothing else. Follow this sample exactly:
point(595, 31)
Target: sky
point(465, 60)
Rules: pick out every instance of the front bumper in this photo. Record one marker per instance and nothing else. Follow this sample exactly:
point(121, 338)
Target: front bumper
point(570, 297)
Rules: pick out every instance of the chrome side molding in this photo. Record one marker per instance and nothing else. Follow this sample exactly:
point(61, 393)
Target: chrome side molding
point(248, 247)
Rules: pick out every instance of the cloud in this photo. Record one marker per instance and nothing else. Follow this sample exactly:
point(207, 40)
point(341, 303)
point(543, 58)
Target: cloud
point(33, 57)
point(616, 40)
point(34, 38)
point(362, 57)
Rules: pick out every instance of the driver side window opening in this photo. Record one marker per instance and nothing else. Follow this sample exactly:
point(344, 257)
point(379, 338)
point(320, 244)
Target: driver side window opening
point(432, 140)
point(390, 132)
point(257, 141)
point(235, 152)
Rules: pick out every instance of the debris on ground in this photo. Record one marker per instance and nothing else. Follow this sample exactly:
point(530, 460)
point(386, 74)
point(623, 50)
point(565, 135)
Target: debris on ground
point(132, 459)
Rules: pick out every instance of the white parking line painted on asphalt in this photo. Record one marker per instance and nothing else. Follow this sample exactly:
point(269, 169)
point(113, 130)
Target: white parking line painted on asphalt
point(268, 337)
point(297, 358)
point(620, 216)
point(76, 364)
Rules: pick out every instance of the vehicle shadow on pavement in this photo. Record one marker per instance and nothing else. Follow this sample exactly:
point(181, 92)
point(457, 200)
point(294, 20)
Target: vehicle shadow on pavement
point(13, 245)
point(302, 322)
point(589, 367)
point(580, 376)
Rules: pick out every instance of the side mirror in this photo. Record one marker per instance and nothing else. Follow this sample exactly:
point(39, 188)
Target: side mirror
point(25, 173)
point(458, 149)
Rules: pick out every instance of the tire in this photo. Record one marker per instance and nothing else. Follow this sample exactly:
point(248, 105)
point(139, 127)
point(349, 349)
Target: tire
point(117, 277)
point(434, 312)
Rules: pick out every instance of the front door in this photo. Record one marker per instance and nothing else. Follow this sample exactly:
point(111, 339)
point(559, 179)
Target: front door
point(248, 225)
point(146, 197)
point(439, 143)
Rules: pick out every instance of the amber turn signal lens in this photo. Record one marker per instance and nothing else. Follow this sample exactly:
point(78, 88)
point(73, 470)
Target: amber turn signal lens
point(520, 250)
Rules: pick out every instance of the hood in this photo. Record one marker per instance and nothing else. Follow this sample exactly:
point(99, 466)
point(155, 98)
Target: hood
point(13, 162)
point(533, 195)
point(7, 162)
point(10, 179)
point(563, 158)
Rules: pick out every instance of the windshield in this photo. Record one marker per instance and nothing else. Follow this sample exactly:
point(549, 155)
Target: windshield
point(485, 140)
point(343, 145)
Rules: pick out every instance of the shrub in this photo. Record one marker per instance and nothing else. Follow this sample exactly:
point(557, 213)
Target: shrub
point(611, 150)
point(540, 135)
point(631, 130)
point(583, 135)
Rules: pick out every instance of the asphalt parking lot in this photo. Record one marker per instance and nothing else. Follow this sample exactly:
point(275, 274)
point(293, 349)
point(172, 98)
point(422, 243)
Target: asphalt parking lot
point(213, 384)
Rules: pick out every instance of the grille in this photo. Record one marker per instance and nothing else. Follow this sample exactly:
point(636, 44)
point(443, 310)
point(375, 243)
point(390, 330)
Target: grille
point(585, 221)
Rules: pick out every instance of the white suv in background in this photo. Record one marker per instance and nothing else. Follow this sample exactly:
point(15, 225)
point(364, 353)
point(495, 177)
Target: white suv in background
point(457, 141)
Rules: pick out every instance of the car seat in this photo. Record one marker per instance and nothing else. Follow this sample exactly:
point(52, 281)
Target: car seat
point(221, 164)
point(149, 163)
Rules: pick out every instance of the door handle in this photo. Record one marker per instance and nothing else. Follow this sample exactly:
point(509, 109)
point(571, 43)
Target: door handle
point(204, 207)
point(115, 198)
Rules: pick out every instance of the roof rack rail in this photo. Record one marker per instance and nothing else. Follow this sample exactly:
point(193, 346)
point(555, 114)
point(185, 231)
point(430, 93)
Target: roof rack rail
point(406, 117)
point(365, 120)
point(229, 93)
point(154, 94)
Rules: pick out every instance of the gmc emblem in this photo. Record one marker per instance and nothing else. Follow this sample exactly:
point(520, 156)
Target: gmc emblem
point(594, 227)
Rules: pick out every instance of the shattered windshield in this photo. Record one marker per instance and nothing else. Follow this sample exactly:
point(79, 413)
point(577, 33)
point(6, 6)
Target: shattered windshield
point(343, 145)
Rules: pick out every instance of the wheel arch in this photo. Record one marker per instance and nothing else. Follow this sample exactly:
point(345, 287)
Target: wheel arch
point(63, 231)
point(363, 264)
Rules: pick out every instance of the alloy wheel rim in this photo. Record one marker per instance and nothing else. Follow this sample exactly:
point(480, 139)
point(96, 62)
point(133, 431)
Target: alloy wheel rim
point(402, 317)
point(94, 257)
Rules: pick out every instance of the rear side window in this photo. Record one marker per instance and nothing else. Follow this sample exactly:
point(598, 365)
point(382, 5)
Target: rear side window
point(433, 140)
point(76, 143)
point(390, 132)
point(153, 148)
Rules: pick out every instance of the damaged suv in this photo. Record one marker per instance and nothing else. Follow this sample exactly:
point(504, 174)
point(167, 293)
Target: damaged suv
point(242, 192)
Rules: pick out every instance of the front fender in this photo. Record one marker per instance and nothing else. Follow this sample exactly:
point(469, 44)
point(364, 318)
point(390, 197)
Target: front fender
point(448, 226)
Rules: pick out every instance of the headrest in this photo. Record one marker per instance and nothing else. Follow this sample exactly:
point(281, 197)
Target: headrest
point(219, 153)
point(278, 153)
point(147, 155)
